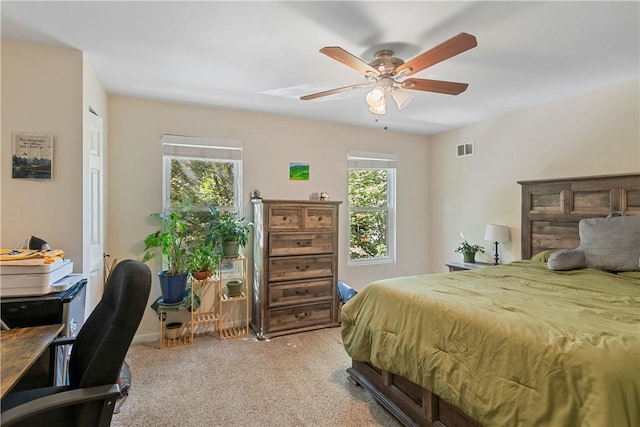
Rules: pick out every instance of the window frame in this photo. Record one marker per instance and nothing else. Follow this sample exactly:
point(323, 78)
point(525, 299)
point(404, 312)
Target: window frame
point(375, 161)
point(206, 149)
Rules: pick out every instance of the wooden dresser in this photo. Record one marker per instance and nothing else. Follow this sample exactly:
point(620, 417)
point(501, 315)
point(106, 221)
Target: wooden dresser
point(295, 266)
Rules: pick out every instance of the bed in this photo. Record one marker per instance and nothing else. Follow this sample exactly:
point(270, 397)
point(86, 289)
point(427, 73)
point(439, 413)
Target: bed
point(515, 344)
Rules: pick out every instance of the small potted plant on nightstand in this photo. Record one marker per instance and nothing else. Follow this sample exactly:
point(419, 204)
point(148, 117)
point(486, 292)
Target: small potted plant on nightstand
point(468, 250)
point(229, 232)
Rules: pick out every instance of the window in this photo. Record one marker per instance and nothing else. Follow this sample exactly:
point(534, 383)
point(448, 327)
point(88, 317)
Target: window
point(371, 207)
point(204, 172)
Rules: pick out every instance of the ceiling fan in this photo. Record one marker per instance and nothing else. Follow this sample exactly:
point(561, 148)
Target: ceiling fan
point(387, 73)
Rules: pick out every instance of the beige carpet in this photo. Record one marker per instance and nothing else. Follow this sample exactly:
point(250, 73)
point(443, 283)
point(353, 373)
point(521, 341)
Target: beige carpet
point(293, 380)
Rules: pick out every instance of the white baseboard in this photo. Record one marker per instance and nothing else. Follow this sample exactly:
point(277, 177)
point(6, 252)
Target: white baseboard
point(137, 339)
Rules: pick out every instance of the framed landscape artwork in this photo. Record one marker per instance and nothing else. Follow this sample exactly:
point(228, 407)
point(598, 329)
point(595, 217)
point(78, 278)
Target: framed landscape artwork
point(32, 156)
point(298, 171)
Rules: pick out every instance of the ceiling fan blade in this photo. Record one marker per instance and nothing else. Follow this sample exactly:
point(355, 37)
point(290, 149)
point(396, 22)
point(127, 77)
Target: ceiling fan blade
point(445, 50)
point(341, 55)
point(332, 91)
point(439, 86)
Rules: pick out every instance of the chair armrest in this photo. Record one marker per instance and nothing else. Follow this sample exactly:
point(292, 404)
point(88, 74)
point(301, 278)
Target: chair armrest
point(22, 412)
point(62, 341)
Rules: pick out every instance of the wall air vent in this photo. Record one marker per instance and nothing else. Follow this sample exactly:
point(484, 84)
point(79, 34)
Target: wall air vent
point(466, 149)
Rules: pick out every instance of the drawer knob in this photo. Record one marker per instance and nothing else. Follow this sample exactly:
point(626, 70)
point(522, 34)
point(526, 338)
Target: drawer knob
point(302, 291)
point(302, 268)
point(301, 316)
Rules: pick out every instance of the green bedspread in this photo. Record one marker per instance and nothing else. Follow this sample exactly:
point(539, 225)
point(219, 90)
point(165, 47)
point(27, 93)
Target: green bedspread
point(511, 345)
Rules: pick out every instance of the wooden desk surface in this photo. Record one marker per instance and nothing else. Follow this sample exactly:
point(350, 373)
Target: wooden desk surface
point(20, 348)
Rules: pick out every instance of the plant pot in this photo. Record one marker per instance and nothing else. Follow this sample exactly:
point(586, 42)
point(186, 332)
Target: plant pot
point(231, 249)
point(234, 288)
point(172, 287)
point(469, 257)
point(173, 330)
point(201, 275)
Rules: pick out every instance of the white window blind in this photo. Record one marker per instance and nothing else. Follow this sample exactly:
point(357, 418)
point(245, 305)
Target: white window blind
point(201, 148)
point(364, 160)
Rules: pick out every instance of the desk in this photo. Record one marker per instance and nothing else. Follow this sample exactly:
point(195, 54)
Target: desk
point(20, 348)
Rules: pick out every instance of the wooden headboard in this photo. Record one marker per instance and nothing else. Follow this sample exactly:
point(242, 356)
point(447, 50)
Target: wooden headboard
point(552, 208)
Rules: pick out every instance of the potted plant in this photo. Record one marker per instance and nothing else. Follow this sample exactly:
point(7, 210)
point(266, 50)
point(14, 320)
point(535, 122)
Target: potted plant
point(228, 231)
point(468, 250)
point(204, 260)
point(234, 288)
point(169, 243)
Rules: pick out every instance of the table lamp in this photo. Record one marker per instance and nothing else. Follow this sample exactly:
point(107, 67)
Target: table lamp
point(496, 233)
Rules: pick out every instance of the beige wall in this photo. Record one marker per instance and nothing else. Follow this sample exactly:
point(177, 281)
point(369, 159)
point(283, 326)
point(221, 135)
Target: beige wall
point(49, 90)
point(42, 93)
point(438, 196)
point(596, 133)
point(270, 143)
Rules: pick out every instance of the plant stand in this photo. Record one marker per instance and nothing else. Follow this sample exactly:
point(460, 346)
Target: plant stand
point(210, 306)
point(204, 319)
point(230, 323)
point(163, 310)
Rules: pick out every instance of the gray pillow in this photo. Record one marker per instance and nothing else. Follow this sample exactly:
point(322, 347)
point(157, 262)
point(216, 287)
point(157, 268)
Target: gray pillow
point(567, 259)
point(611, 244)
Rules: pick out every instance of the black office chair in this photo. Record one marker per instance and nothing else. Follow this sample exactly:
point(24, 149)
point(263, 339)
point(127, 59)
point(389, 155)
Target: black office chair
point(97, 356)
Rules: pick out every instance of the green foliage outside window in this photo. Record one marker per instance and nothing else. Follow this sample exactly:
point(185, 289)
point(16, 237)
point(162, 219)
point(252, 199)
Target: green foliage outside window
point(205, 183)
point(202, 183)
point(368, 203)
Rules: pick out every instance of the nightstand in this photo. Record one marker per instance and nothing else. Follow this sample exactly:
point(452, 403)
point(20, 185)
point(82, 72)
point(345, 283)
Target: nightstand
point(459, 266)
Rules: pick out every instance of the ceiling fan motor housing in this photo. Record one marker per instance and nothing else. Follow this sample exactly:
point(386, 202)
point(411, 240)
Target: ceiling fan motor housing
point(386, 63)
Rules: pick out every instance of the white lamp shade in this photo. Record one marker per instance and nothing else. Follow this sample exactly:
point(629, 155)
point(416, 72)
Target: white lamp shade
point(402, 97)
point(497, 233)
point(379, 109)
point(376, 97)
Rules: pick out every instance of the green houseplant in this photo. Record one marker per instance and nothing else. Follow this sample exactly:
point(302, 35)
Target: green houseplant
point(228, 231)
point(169, 243)
point(468, 250)
point(205, 259)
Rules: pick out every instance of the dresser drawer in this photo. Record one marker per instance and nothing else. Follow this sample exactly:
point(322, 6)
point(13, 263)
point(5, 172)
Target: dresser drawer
point(285, 218)
point(300, 292)
point(300, 243)
point(300, 267)
point(299, 316)
point(320, 218)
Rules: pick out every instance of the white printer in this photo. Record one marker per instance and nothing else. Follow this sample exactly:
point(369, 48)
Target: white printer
point(19, 279)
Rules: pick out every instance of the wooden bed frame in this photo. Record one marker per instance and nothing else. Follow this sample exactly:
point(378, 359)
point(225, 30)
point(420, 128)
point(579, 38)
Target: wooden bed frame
point(551, 211)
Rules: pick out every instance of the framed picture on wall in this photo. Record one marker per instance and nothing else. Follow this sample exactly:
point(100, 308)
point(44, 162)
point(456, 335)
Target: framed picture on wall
point(32, 156)
point(298, 171)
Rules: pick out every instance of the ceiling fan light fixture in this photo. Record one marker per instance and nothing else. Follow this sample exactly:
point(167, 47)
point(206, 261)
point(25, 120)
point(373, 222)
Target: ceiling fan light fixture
point(376, 97)
point(402, 97)
point(378, 109)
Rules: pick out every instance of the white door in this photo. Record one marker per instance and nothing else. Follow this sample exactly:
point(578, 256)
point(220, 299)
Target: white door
point(94, 214)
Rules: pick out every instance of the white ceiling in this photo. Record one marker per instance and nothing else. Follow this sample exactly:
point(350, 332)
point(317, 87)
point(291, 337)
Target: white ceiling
point(262, 56)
